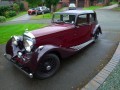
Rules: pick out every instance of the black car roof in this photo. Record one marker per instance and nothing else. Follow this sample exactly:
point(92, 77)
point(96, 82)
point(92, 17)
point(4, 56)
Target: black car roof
point(75, 12)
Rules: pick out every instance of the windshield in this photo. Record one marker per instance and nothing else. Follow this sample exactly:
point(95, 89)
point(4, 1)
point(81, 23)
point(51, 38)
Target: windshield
point(65, 18)
point(39, 8)
point(72, 5)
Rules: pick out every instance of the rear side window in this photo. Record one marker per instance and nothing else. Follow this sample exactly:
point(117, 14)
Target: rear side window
point(82, 19)
point(92, 17)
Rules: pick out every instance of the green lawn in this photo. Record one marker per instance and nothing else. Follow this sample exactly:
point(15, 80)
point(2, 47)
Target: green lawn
point(45, 16)
point(7, 31)
point(117, 8)
point(18, 15)
point(114, 2)
point(92, 7)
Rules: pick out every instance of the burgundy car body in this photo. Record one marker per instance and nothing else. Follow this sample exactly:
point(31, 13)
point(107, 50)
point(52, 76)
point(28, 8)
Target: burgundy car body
point(59, 38)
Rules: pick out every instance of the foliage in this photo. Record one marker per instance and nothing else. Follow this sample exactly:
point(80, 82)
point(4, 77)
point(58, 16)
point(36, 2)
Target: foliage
point(6, 31)
point(10, 14)
point(2, 19)
point(22, 8)
point(3, 9)
point(50, 3)
point(16, 7)
point(34, 3)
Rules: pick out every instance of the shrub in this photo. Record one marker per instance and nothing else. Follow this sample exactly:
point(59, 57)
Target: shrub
point(3, 9)
point(6, 14)
point(10, 14)
point(22, 8)
point(2, 19)
point(16, 7)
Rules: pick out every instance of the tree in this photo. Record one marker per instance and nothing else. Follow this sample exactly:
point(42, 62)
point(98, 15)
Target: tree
point(51, 4)
point(34, 3)
point(16, 7)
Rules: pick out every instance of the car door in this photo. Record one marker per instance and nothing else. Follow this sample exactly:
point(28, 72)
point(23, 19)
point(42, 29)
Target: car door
point(83, 29)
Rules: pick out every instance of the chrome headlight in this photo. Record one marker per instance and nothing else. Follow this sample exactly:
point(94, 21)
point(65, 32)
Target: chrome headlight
point(28, 41)
point(15, 40)
point(28, 44)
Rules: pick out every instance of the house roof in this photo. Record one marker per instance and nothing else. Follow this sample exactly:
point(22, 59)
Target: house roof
point(75, 12)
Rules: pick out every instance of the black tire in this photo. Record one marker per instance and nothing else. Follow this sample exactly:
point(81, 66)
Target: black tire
point(49, 65)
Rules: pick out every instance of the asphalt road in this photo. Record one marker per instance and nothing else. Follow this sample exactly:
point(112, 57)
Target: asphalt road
point(76, 70)
point(23, 17)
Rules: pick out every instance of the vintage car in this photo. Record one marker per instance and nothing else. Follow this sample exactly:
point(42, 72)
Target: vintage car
point(39, 52)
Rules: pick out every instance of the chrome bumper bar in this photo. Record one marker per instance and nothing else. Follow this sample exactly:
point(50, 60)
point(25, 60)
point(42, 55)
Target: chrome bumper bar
point(20, 68)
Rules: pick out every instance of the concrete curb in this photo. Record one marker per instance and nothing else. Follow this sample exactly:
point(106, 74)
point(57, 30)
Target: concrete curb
point(99, 79)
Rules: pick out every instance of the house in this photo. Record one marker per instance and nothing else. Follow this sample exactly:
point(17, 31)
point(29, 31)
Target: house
point(10, 2)
point(83, 3)
point(5, 3)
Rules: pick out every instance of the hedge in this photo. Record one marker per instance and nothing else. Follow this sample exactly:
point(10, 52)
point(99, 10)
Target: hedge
point(3, 9)
point(2, 19)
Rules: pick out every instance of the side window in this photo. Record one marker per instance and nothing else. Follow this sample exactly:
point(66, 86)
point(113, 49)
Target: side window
point(82, 19)
point(92, 18)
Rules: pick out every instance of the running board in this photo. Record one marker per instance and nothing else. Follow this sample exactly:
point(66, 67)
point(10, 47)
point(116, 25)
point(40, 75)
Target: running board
point(78, 47)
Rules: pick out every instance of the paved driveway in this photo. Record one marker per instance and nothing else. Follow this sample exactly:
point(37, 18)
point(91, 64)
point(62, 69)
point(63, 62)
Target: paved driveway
point(74, 71)
point(24, 17)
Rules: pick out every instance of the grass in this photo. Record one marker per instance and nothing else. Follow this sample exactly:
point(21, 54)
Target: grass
point(117, 9)
point(45, 16)
point(92, 7)
point(111, 3)
point(7, 31)
point(18, 15)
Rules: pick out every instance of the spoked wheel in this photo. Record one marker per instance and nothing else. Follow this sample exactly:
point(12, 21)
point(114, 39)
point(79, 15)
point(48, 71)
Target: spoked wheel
point(49, 65)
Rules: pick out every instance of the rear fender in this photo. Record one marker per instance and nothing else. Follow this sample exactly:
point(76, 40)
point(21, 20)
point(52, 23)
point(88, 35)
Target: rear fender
point(97, 29)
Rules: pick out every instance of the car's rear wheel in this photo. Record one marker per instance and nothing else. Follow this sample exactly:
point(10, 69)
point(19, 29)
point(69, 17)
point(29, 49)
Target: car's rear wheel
point(49, 65)
point(96, 36)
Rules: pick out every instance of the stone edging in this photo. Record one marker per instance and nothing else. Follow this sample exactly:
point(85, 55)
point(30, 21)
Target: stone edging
point(99, 79)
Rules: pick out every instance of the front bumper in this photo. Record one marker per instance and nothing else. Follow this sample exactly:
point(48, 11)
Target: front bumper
point(19, 67)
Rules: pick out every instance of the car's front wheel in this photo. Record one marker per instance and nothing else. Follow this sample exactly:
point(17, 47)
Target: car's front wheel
point(49, 65)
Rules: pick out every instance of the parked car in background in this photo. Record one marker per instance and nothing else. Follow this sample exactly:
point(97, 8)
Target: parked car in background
point(72, 6)
point(31, 11)
point(42, 9)
point(39, 52)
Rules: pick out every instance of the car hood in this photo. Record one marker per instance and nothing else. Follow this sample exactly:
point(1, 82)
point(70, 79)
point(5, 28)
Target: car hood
point(51, 29)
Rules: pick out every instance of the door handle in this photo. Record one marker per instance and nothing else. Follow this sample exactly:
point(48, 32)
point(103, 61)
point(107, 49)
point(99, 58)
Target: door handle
point(77, 26)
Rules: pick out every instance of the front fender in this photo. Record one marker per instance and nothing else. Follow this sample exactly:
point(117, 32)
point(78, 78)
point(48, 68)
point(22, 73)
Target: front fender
point(61, 51)
point(8, 48)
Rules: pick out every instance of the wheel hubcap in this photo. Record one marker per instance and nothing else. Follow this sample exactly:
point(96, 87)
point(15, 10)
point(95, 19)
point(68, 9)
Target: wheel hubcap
point(48, 67)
